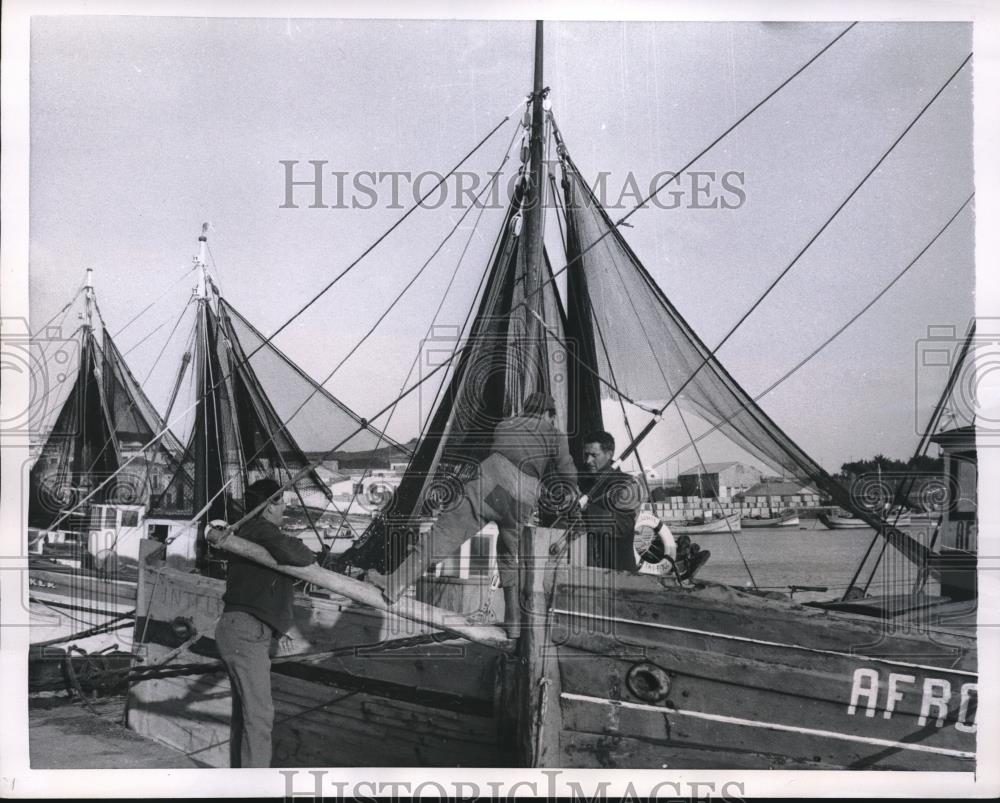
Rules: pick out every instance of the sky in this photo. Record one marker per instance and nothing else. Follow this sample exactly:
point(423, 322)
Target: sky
point(143, 128)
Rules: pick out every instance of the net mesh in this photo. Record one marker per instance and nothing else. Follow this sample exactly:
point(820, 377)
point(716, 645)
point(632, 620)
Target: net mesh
point(513, 348)
point(645, 349)
point(80, 452)
point(260, 416)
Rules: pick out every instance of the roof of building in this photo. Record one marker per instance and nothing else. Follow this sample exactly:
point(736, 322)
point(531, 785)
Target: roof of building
point(710, 468)
point(783, 488)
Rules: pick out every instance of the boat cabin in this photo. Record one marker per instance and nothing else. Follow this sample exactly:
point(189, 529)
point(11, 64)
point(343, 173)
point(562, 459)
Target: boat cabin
point(955, 560)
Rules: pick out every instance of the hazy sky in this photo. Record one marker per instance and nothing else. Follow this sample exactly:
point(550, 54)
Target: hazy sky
point(143, 128)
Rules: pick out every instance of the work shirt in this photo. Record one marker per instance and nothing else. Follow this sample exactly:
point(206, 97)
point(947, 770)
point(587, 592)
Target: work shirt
point(532, 443)
point(609, 520)
point(259, 590)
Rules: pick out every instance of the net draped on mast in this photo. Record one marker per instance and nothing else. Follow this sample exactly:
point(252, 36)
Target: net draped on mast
point(507, 354)
point(258, 416)
point(103, 425)
point(644, 348)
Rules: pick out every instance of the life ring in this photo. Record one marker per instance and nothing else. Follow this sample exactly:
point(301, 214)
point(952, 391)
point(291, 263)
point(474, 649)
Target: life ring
point(652, 548)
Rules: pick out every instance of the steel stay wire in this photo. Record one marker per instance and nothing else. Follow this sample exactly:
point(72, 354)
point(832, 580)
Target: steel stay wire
point(692, 161)
point(839, 331)
point(430, 327)
point(555, 129)
point(381, 318)
point(353, 264)
point(658, 416)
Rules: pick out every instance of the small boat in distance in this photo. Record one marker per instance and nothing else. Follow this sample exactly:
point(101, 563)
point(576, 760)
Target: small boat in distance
point(788, 518)
point(838, 521)
point(725, 524)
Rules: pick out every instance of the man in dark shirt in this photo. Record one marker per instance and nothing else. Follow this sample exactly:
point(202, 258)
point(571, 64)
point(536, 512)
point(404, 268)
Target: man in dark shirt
point(258, 611)
point(614, 500)
point(525, 448)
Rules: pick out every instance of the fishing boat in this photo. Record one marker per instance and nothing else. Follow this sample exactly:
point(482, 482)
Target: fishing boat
point(721, 524)
point(611, 669)
point(89, 490)
point(839, 521)
point(787, 519)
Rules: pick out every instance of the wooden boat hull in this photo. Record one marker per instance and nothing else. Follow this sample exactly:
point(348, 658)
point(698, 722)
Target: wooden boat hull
point(775, 521)
point(723, 525)
point(750, 683)
point(842, 523)
point(395, 693)
point(851, 523)
point(745, 682)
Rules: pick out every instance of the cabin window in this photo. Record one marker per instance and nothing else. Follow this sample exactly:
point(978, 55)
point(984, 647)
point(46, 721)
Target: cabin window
point(96, 517)
point(110, 517)
point(130, 518)
point(964, 482)
point(158, 532)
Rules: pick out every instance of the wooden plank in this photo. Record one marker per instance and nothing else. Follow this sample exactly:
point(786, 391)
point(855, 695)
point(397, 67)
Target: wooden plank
point(715, 608)
point(590, 750)
point(539, 719)
point(366, 594)
point(791, 674)
point(679, 727)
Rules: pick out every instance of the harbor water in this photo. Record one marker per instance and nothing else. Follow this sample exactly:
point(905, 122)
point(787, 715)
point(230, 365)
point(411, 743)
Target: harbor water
point(809, 555)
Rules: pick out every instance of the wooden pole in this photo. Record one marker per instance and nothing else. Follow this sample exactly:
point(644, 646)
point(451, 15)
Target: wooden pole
point(365, 593)
point(532, 684)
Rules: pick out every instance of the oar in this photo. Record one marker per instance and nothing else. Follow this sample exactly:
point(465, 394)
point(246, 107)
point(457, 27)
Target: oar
point(364, 593)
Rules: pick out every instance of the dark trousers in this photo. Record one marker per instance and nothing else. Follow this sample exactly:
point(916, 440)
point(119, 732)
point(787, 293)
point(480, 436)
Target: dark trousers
point(245, 644)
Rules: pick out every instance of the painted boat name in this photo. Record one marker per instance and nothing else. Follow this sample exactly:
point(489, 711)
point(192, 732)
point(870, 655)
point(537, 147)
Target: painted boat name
point(935, 695)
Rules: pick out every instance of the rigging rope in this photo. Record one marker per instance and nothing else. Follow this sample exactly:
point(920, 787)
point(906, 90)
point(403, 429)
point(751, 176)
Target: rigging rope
point(61, 313)
point(802, 251)
point(386, 233)
point(837, 333)
point(399, 296)
point(316, 297)
point(155, 301)
point(430, 328)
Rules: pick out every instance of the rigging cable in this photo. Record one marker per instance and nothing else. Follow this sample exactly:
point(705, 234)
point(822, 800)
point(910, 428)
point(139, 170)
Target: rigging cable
point(802, 251)
point(838, 332)
point(385, 313)
point(651, 424)
point(430, 328)
point(155, 301)
point(60, 314)
point(387, 232)
point(316, 297)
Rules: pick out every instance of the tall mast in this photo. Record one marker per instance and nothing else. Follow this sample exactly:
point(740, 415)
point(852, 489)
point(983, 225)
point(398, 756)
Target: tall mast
point(533, 748)
point(202, 420)
point(88, 302)
point(203, 277)
point(533, 211)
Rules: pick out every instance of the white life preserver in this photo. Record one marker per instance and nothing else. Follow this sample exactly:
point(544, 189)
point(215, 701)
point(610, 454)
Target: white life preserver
point(652, 544)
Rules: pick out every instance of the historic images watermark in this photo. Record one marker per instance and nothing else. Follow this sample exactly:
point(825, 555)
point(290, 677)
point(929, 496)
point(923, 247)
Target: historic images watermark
point(311, 184)
point(319, 785)
point(970, 361)
point(47, 359)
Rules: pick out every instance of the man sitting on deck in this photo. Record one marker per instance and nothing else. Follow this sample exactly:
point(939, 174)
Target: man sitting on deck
point(525, 447)
point(258, 611)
